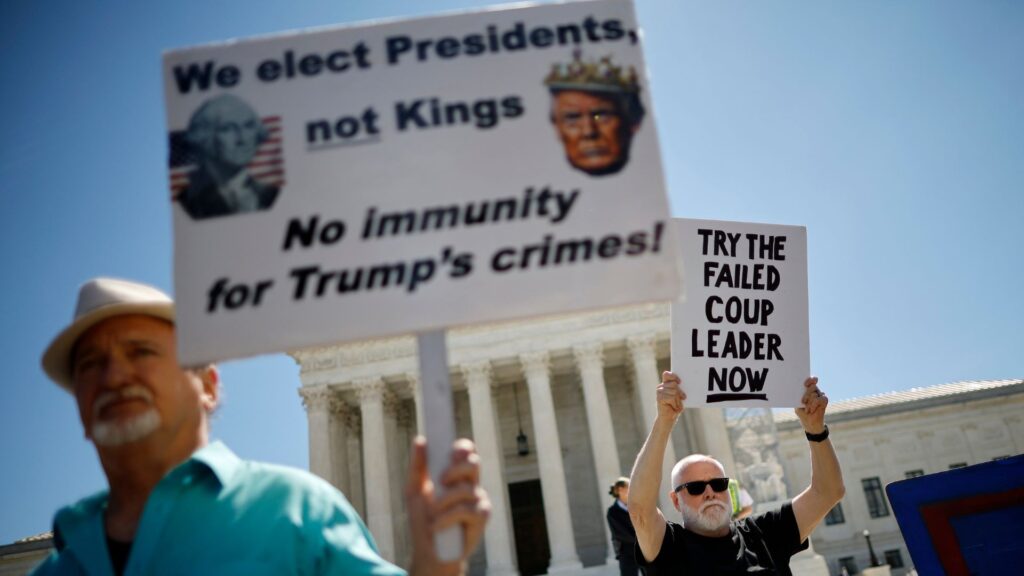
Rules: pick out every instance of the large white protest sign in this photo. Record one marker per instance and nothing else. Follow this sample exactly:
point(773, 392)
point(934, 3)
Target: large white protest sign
point(406, 176)
point(740, 334)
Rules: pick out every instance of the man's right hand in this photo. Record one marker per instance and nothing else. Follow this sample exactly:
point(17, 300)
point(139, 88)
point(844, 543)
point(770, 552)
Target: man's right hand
point(670, 396)
point(464, 504)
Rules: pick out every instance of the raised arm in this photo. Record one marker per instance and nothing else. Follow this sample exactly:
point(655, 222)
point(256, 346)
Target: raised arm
point(645, 482)
point(826, 488)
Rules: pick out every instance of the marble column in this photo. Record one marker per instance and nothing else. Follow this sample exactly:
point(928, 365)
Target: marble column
point(715, 436)
point(590, 361)
point(328, 442)
point(413, 380)
point(315, 401)
point(356, 493)
point(498, 533)
point(396, 424)
point(647, 377)
point(377, 478)
point(549, 459)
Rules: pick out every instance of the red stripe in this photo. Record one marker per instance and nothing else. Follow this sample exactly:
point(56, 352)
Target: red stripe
point(273, 162)
point(267, 173)
point(937, 519)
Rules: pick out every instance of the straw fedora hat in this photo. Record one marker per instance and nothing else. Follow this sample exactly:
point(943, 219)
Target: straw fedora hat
point(99, 299)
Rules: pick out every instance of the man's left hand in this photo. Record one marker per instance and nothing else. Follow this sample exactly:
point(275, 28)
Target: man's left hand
point(462, 503)
point(812, 411)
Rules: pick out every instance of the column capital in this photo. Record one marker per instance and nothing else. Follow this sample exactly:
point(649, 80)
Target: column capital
point(354, 421)
point(412, 380)
point(403, 416)
point(589, 355)
point(477, 373)
point(535, 364)
point(322, 399)
point(392, 403)
point(369, 389)
point(641, 345)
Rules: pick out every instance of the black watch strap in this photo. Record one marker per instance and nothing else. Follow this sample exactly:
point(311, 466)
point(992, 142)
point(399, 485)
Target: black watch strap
point(820, 437)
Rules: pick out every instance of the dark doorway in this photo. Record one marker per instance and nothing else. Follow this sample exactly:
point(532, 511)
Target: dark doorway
point(533, 554)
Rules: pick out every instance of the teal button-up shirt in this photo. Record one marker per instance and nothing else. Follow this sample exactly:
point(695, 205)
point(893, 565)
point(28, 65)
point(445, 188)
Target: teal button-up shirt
point(218, 514)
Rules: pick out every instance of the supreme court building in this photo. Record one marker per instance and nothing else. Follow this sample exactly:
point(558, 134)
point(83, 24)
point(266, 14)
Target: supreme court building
point(553, 406)
point(558, 408)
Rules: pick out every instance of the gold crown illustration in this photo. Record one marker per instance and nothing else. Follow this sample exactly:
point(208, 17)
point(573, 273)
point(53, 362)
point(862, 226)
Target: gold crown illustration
point(601, 76)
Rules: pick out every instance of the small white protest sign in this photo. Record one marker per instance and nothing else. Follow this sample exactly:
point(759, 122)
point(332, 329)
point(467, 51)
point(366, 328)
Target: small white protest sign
point(407, 176)
point(740, 333)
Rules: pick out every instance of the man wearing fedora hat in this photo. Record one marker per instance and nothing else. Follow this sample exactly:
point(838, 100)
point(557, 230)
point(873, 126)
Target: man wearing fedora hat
point(178, 503)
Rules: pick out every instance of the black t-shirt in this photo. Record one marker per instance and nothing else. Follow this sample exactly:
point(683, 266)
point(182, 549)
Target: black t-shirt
point(759, 544)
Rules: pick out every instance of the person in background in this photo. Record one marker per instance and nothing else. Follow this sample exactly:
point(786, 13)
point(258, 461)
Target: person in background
point(742, 503)
point(623, 535)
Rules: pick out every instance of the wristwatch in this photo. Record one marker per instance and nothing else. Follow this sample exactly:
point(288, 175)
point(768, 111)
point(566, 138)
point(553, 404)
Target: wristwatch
point(820, 437)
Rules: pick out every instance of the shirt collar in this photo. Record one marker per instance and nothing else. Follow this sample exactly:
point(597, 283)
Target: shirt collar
point(621, 505)
point(219, 459)
point(80, 525)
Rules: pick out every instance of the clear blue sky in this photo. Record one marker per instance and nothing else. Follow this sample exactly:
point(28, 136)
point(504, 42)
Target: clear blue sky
point(892, 129)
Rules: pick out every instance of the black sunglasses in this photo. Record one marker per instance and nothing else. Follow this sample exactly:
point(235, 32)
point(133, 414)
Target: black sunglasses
point(696, 488)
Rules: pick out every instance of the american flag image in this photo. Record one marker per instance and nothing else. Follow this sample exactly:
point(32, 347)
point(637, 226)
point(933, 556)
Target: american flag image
point(266, 166)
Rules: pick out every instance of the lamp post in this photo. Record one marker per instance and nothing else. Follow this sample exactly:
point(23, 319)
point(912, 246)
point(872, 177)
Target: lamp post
point(871, 549)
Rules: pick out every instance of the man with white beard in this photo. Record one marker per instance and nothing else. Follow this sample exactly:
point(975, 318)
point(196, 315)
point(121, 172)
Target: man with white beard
point(708, 541)
point(181, 504)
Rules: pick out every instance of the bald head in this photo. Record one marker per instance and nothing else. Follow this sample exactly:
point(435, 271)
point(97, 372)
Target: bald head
point(679, 470)
point(708, 512)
